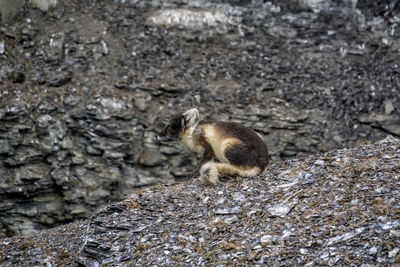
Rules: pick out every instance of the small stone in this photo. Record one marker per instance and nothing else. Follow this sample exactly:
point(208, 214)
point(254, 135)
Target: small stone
point(78, 158)
point(282, 31)
point(395, 233)
point(93, 151)
point(141, 103)
point(239, 197)
point(45, 120)
point(100, 194)
point(221, 201)
point(224, 257)
point(113, 104)
point(2, 47)
point(72, 100)
point(303, 251)
point(139, 229)
point(124, 226)
point(170, 149)
point(231, 219)
point(344, 237)
point(230, 210)
point(373, 250)
point(251, 212)
point(267, 239)
point(5, 147)
point(281, 209)
point(151, 157)
point(79, 209)
point(113, 155)
point(100, 50)
point(389, 107)
point(115, 248)
point(59, 79)
point(176, 248)
point(146, 179)
point(67, 143)
point(393, 253)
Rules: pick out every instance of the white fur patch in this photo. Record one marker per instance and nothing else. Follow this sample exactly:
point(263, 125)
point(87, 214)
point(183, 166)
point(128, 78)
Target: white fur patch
point(187, 139)
point(209, 173)
point(191, 117)
point(229, 169)
point(250, 173)
point(219, 142)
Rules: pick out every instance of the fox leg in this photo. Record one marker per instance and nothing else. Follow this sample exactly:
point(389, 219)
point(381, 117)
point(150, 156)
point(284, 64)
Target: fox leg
point(208, 155)
point(211, 171)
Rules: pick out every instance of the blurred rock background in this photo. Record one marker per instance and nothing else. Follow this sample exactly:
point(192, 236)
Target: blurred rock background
point(86, 85)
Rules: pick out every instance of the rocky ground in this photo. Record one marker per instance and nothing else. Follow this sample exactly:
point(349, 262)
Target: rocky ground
point(86, 85)
point(333, 209)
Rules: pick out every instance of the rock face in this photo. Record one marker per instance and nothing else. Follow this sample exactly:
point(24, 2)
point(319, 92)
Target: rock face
point(333, 209)
point(86, 86)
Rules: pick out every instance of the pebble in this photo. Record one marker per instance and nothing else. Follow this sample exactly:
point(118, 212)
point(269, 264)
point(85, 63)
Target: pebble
point(280, 209)
point(2, 47)
point(230, 210)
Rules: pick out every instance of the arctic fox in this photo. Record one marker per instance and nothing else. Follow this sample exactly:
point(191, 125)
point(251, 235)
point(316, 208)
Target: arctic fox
point(238, 149)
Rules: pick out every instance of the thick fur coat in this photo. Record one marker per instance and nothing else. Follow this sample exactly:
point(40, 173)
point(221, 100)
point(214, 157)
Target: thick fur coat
point(227, 148)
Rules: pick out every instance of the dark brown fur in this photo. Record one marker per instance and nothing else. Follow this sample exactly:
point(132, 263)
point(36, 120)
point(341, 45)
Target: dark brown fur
point(252, 152)
point(239, 149)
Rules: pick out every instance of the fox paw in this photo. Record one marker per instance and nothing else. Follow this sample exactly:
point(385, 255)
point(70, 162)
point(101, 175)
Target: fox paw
point(209, 173)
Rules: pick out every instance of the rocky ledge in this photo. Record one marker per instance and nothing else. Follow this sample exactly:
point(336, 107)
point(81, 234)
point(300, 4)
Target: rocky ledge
point(85, 86)
point(336, 208)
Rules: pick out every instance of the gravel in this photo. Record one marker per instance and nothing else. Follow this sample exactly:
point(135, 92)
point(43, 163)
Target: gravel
point(86, 85)
point(336, 208)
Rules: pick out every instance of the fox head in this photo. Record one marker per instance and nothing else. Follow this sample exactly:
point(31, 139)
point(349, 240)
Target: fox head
point(178, 124)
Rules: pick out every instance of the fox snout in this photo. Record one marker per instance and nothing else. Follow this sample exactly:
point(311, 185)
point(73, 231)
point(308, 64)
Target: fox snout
point(178, 124)
point(173, 130)
point(168, 134)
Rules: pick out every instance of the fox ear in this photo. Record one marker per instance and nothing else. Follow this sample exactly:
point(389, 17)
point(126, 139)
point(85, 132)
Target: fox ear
point(190, 117)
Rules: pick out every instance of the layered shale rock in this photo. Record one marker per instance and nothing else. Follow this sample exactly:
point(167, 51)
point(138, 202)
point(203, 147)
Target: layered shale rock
point(86, 86)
